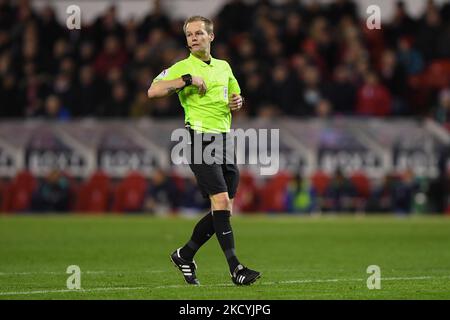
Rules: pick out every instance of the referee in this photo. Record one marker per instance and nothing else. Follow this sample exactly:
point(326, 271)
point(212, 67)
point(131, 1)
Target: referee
point(208, 92)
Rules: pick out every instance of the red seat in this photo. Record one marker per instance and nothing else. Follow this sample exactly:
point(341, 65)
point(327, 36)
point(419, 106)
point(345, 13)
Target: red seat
point(3, 187)
point(361, 183)
point(273, 193)
point(130, 194)
point(94, 195)
point(18, 194)
point(246, 195)
point(320, 181)
point(437, 75)
point(74, 189)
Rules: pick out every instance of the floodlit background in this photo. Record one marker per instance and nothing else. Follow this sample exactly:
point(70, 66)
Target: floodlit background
point(363, 114)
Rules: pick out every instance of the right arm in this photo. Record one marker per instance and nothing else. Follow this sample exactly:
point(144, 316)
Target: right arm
point(164, 88)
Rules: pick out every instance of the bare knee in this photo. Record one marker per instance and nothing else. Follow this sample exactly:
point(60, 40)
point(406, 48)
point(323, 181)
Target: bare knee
point(221, 201)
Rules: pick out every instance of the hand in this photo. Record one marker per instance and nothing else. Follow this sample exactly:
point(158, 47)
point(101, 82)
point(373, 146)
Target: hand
point(235, 102)
point(200, 84)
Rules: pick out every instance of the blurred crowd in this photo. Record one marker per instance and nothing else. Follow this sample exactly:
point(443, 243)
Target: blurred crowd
point(290, 58)
point(167, 193)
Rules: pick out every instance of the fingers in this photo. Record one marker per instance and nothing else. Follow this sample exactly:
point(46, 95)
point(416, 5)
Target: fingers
point(236, 99)
point(200, 84)
point(202, 88)
point(235, 102)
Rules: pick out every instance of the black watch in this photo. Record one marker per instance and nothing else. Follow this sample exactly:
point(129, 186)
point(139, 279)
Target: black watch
point(187, 78)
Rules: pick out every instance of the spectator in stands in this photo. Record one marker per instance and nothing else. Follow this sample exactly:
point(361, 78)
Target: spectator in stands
point(156, 19)
point(141, 106)
point(312, 91)
point(409, 57)
point(341, 92)
point(301, 196)
point(393, 76)
point(61, 50)
point(52, 194)
point(89, 93)
point(441, 112)
point(323, 109)
point(86, 53)
point(263, 40)
point(381, 199)
point(234, 17)
point(65, 89)
point(403, 193)
point(162, 195)
point(49, 29)
point(429, 34)
point(192, 200)
point(340, 194)
point(12, 102)
point(292, 33)
point(107, 26)
point(284, 88)
point(112, 56)
point(54, 110)
point(340, 9)
point(439, 189)
point(255, 93)
point(373, 99)
point(117, 106)
point(402, 25)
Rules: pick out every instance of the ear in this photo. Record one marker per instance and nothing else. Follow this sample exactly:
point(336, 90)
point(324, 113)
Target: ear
point(211, 37)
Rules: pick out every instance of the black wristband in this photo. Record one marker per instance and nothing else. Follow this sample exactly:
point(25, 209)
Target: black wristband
point(187, 78)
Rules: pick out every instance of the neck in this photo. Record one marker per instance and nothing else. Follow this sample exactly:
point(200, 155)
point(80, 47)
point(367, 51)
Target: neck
point(203, 55)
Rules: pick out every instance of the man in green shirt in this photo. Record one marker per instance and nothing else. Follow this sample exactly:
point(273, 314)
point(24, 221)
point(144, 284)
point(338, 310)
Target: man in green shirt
point(208, 92)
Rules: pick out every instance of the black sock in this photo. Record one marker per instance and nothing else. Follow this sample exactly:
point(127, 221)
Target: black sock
point(224, 233)
point(203, 230)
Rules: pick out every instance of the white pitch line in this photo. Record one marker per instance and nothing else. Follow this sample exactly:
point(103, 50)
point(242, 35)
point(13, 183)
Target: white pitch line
point(213, 285)
point(63, 273)
point(313, 281)
point(68, 290)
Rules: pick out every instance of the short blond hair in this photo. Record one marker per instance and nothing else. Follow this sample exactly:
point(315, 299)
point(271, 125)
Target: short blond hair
point(209, 26)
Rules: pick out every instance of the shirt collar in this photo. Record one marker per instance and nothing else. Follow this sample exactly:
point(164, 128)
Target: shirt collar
point(201, 63)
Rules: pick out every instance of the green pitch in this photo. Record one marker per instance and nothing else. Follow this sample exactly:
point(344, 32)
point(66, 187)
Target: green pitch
point(127, 257)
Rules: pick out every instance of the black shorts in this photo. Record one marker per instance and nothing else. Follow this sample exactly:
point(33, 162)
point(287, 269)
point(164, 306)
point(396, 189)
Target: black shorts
point(218, 173)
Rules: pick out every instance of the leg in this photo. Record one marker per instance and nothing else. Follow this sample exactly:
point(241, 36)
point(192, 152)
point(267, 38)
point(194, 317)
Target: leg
point(221, 206)
point(203, 231)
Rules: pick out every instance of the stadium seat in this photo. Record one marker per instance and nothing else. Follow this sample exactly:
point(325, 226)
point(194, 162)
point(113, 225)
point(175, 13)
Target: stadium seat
point(94, 195)
point(361, 183)
point(130, 194)
point(2, 195)
point(273, 193)
point(362, 186)
point(320, 181)
point(18, 194)
point(74, 188)
point(437, 75)
point(178, 180)
point(247, 194)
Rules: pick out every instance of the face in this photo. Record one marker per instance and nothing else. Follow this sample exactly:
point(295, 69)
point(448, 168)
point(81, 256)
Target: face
point(198, 38)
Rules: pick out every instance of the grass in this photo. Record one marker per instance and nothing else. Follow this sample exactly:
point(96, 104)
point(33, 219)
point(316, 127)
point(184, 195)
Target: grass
point(127, 257)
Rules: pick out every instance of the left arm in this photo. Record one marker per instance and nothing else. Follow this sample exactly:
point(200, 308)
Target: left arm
point(235, 100)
